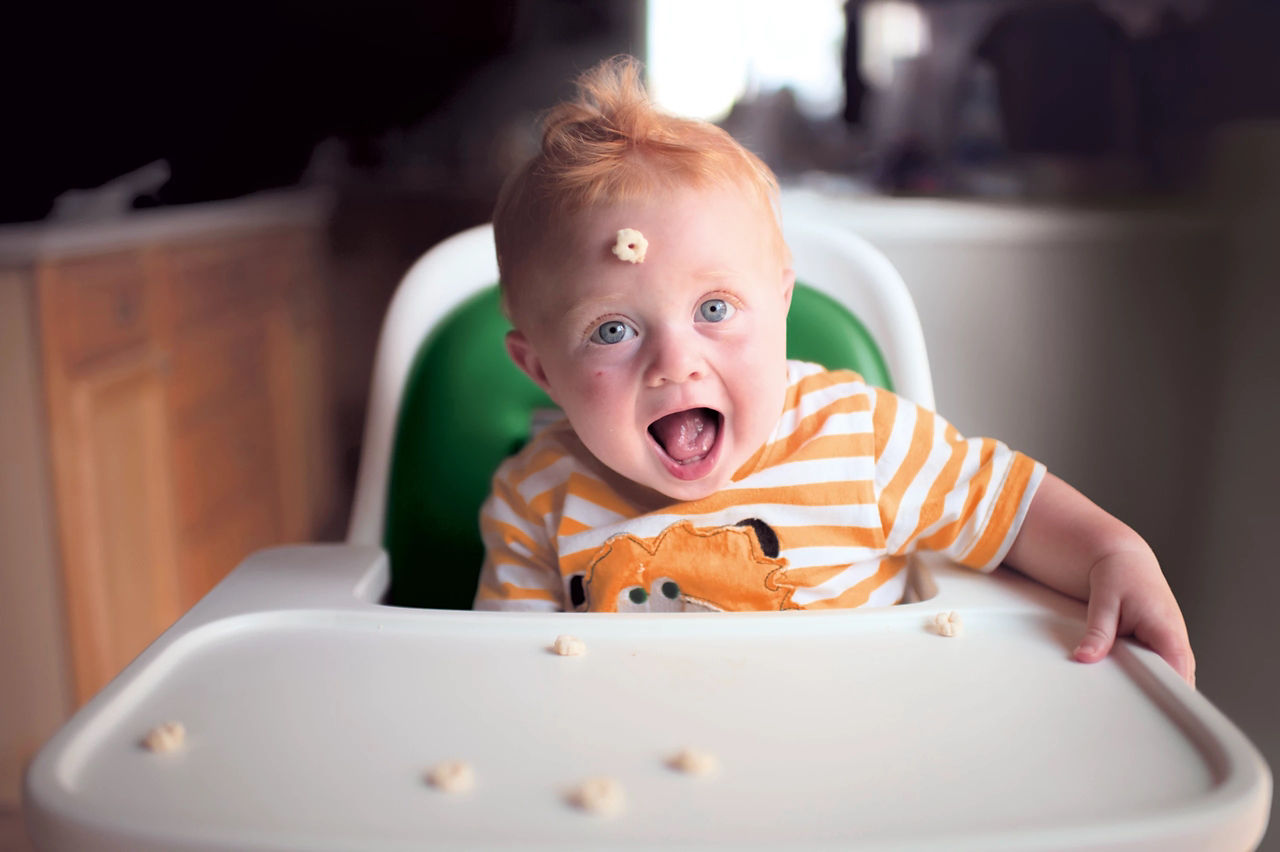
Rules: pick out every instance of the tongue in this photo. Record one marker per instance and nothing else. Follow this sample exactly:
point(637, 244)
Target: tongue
point(686, 434)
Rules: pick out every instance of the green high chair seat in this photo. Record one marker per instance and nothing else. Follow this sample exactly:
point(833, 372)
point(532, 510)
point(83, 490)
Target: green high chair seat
point(448, 405)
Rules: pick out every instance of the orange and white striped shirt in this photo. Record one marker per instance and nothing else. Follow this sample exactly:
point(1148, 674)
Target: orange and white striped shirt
point(852, 480)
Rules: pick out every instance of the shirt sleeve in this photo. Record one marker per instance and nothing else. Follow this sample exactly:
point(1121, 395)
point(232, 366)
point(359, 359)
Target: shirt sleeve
point(964, 498)
point(520, 567)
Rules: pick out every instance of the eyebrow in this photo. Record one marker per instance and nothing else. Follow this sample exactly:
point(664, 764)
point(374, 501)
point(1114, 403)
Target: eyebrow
point(583, 312)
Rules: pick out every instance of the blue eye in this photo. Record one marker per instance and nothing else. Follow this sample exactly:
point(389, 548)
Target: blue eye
point(715, 310)
point(613, 331)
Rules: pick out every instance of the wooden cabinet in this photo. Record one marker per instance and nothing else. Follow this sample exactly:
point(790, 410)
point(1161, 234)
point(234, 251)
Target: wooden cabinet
point(115, 501)
point(189, 419)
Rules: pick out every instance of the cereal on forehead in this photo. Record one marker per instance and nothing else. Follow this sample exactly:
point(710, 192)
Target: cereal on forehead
point(630, 246)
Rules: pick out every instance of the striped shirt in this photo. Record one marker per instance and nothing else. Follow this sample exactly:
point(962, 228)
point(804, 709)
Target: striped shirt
point(852, 480)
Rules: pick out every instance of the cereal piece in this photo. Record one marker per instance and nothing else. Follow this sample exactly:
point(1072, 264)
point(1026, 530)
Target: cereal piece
point(947, 623)
point(170, 736)
point(694, 761)
point(631, 246)
point(600, 795)
point(569, 646)
point(452, 776)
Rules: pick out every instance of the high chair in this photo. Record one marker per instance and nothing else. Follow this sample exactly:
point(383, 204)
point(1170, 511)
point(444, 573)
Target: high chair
point(312, 708)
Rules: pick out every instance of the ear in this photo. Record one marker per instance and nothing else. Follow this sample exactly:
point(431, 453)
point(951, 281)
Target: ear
point(788, 286)
point(765, 535)
point(524, 356)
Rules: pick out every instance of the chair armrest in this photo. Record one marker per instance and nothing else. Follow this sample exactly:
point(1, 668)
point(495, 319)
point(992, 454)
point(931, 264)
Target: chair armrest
point(307, 576)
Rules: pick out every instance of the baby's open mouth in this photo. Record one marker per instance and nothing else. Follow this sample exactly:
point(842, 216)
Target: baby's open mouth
point(687, 436)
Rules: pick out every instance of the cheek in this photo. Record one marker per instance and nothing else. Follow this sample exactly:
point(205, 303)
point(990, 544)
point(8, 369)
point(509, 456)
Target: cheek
point(592, 383)
point(756, 357)
point(772, 339)
point(751, 345)
point(602, 395)
point(597, 380)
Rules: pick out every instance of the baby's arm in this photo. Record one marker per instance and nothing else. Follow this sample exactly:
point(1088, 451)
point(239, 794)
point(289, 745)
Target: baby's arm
point(520, 570)
point(1069, 543)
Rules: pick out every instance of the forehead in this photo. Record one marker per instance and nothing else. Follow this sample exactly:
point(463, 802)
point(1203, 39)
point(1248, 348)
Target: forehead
point(683, 219)
point(688, 232)
point(693, 234)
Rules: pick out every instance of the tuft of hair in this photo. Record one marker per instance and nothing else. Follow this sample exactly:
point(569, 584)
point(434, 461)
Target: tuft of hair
point(611, 145)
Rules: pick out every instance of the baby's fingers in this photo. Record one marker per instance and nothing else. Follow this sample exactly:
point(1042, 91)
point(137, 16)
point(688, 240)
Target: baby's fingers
point(1100, 628)
point(1172, 645)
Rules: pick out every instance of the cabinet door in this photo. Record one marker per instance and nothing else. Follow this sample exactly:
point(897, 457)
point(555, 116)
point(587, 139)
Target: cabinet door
point(116, 513)
point(300, 377)
point(106, 382)
point(189, 424)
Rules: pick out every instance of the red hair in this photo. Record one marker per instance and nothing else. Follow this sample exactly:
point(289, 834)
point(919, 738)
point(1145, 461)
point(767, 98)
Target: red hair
point(610, 145)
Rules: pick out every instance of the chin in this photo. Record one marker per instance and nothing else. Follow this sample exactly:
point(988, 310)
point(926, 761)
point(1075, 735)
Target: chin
point(689, 491)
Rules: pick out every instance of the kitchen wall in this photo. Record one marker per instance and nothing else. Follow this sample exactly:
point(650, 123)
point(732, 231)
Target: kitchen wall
point(1231, 599)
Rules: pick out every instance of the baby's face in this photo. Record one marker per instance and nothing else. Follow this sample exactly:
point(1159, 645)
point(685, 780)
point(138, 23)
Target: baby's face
point(671, 371)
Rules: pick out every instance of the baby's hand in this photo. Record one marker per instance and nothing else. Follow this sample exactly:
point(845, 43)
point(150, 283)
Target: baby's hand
point(1064, 533)
point(1128, 596)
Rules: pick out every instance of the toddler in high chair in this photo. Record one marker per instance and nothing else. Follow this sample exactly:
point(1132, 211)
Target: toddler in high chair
point(647, 281)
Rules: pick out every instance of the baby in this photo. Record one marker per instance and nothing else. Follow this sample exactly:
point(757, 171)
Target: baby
point(646, 277)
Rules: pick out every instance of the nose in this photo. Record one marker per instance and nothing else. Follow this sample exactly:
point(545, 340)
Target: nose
point(673, 358)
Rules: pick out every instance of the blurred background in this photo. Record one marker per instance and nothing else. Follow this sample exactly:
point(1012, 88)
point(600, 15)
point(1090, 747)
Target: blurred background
point(205, 209)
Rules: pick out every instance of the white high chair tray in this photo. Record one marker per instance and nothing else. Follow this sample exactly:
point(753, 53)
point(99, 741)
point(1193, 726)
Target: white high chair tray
point(312, 714)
